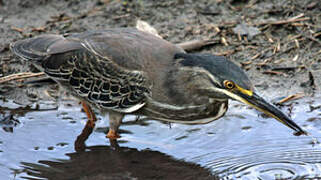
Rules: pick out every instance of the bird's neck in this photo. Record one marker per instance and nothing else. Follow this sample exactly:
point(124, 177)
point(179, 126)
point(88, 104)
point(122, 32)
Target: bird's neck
point(197, 114)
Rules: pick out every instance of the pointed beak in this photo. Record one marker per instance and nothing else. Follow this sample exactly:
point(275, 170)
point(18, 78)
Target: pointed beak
point(262, 105)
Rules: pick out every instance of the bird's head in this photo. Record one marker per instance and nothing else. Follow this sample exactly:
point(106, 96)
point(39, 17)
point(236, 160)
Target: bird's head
point(225, 80)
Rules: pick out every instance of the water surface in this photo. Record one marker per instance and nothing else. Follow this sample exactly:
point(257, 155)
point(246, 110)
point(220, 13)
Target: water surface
point(244, 144)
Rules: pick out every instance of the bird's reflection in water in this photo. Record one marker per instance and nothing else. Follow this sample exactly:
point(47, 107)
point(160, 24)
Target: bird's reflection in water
point(113, 162)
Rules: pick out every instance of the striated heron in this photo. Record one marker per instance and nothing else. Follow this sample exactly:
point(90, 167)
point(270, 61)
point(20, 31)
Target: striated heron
point(126, 71)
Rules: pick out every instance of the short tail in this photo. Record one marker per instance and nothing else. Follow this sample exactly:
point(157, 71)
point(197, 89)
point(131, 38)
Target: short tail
point(34, 48)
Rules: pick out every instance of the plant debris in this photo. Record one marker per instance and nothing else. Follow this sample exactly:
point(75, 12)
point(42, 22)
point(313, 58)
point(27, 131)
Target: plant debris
point(245, 30)
point(20, 76)
point(291, 98)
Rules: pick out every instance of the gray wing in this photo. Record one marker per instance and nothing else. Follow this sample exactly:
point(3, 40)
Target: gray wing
point(111, 80)
point(127, 47)
point(99, 80)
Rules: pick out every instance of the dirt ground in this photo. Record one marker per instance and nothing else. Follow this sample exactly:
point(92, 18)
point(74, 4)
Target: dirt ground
point(277, 42)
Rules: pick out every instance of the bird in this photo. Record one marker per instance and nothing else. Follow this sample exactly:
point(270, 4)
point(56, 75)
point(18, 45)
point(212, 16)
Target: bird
point(122, 71)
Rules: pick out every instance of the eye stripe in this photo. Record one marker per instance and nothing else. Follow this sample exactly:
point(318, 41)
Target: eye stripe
point(201, 70)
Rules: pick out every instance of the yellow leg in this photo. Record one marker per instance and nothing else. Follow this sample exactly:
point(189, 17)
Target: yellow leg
point(112, 134)
point(115, 119)
point(90, 115)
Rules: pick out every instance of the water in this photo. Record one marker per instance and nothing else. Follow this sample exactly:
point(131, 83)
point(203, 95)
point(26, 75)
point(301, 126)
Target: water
point(241, 145)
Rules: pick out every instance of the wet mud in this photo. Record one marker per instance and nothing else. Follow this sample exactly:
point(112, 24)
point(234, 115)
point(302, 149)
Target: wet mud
point(278, 44)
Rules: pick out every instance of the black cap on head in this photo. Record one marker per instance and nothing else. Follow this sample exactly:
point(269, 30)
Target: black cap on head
point(220, 67)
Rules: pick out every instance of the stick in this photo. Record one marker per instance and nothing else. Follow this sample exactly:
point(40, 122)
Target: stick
point(20, 76)
point(187, 46)
point(273, 72)
point(291, 97)
point(291, 20)
point(196, 44)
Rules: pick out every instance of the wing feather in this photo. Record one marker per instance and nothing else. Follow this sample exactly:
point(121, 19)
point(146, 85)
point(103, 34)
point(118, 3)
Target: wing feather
point(100, 81)
point(106, 68)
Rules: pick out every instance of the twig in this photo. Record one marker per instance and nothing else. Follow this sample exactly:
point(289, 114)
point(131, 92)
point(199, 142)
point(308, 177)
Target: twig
point(196, 44)
point(284, 68)
point(264, 63)
point(273, 72)
point(39, 29)
point(313, 39)
point(121, 16)
point(246, 63)
point(20, 30)
point(255, 56)
point(291, 20)
point(291, 98)
point(225, 53)
point(20, 76)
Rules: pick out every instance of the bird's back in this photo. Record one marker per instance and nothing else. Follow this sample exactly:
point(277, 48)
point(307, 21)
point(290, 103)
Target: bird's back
point(128, 47)
point(113, 69)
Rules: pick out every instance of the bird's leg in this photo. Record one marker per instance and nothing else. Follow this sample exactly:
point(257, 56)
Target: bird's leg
point(88, 129)
point(115, 119)
point(90, 114)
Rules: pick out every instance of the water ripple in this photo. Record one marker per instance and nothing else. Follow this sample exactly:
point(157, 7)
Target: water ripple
point(268, 161)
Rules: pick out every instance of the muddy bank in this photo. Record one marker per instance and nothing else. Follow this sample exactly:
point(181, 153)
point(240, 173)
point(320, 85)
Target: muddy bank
point(276, 41)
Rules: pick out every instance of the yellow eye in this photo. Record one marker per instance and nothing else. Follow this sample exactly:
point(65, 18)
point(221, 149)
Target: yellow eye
point(229, 84)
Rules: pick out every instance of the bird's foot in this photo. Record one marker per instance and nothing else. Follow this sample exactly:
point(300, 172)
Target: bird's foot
point(112, 134)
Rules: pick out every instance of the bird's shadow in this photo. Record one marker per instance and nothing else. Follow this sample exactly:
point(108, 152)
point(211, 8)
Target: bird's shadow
point(113, 162)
